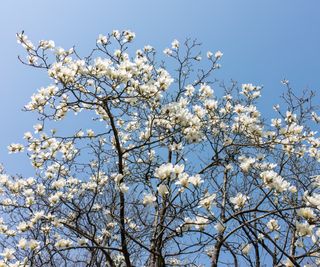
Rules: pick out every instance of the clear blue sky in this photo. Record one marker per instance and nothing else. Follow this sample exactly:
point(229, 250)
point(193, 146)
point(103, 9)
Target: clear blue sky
point(262, 42)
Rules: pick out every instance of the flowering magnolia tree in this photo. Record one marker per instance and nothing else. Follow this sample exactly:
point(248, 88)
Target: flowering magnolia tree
point(175, 170)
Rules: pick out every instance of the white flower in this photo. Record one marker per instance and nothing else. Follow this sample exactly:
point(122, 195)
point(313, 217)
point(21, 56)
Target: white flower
point(174, 262)
point(183, 180)
point(246, 163)
point(167, 51)
point(251, 91)
point(90, 133)
point(164, 171)
point(149, 199)
point(63, 243)
point(32, 59)
point(82, 241)
point(38, 128)
point(58, 184)
point(292, 189)
point(8, 254)
point(15, 148)
point(116, 34)
point(123, 188)
point(23, 243)
point(304, 229)
point(205, 91)
point(37, 216)
point(279, 184)
point(102, 39)
point(189, 90)
point(148, 48)
point(27, 136)
point(195, 180)
point(200, 223)
point(47, 44)
point(276, 123)
point(209, 54)
point(273, 225)
point(246, 249)
point(163, 190)
point(23, 226)
point(11, 233)
point(175, 44)
point(288, 263)
point(178, 169)
point(207, 201)
point(218, 54)
point(4, 178)
point(239, 200)
point(34, 244)
point(54, 199)
point(313, 200)
point(306, 213)
point(274, 181)
point(79, 134)
point(211, 104)
point(176, 147)
point(129, 35)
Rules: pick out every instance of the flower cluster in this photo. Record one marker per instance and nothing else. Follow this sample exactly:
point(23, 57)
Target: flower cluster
point(168, 159)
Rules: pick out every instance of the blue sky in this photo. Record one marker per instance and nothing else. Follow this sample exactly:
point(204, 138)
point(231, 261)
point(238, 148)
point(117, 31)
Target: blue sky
point(262, 42)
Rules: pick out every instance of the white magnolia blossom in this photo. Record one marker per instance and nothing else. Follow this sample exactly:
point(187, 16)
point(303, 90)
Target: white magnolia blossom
point(47, 44)
point(288, 263)
point(183, 180)
point(239, 201)
point(167, 51)
point(218, 54)
point(163, 190)
point(312, 200)
point(149, 199)
point(164, 171)
point(208, 200)
point(251, 91)
point(200, 223)
point(178, 169)
point(160, 159)
point(175, 44)
point(195, 180)
point(304, 229)
point(8, 254)
point(189, 90)
point(274, 181)
point(273, 225)
point(306, 213)
point(23, 243)
point(63, 243)
point(14, 148)
point(246, 249)
point(123, 188)
point(246, 163)
point(102, 39)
